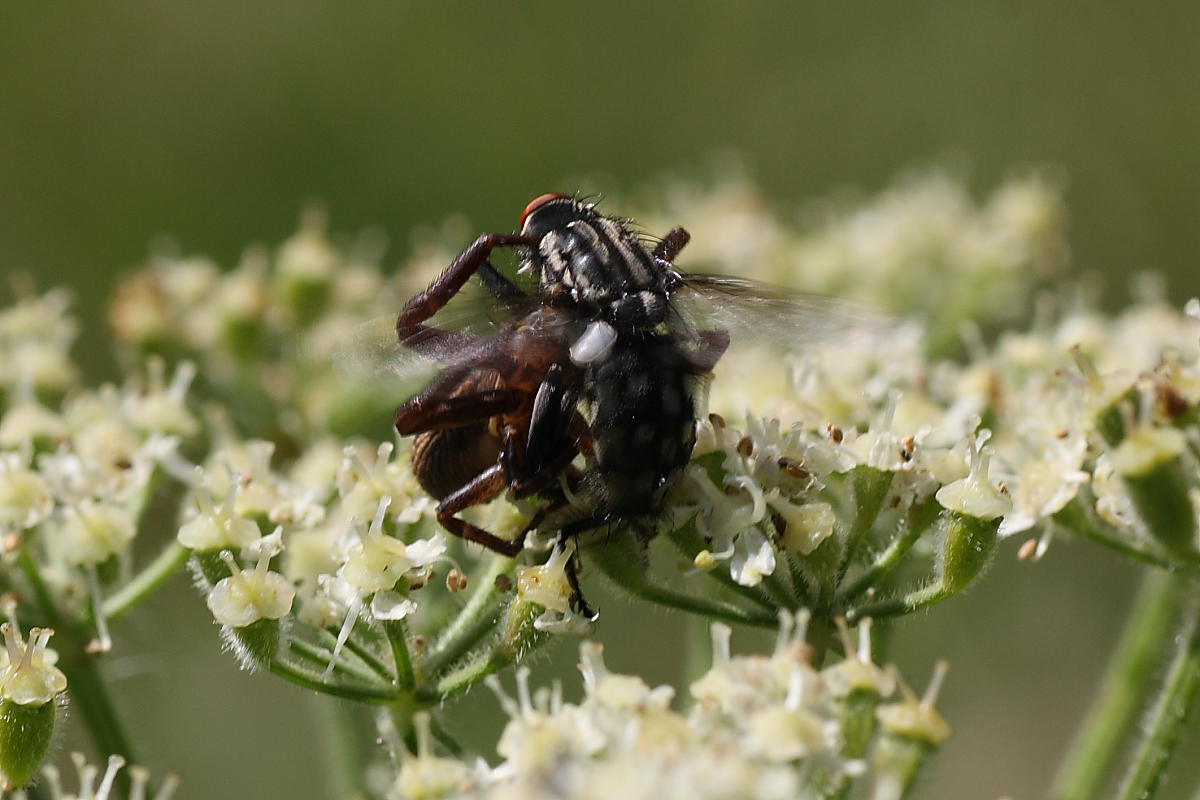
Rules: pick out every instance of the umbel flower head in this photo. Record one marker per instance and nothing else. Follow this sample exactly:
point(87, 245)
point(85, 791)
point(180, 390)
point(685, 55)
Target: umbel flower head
point(763, 726)
point(863, 475)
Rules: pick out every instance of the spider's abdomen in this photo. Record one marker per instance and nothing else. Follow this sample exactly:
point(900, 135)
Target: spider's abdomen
point(643, 421)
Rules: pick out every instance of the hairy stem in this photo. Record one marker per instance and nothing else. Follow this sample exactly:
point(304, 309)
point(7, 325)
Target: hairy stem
point(84, 681)
point(310, 679)
point(1114, 709)
point(152, 577)
point(362, 651)
point(1170, 710)
point(397, 635)
point(474, 621)
point(319, 656)
point(1078, 518)
point(919, 521)
point(621, 562)
point(870, 488)
point(463, 678)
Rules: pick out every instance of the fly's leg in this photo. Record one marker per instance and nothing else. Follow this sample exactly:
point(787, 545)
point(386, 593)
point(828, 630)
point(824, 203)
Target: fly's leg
point(550, 420)
point(482, 488)
point(671, 244)
point(499, 285)
point(550, 445)
point(409, 324)
point(711, 345)
point(571, 568)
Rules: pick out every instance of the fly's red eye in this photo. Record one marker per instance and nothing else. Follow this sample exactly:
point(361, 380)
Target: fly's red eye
point(538, 202)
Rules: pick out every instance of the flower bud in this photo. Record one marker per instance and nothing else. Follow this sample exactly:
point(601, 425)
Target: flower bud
point(966, 549)
point(916, 718)
point(305, 267)
point(240, 305)
point(802, 528)
point(549, 587)
point(974, 495)
point(425, 775)
point(1148, 460)
point(94, 532)
point(29, 688)
point(25, 497)
point(857, 684)
point(377, 561)
point(250, 603)
point(911, 729)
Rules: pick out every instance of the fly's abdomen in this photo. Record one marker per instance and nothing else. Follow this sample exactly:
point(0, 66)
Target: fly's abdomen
point(643, 421)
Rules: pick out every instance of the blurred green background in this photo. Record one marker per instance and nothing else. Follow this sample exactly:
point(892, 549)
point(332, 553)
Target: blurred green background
point(213, 122)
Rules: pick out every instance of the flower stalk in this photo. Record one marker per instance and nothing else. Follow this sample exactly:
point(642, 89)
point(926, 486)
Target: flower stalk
point(1170, 709)
point(1114, 710)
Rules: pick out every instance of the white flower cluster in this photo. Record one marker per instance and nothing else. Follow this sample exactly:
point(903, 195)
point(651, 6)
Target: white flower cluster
point(106, 788)
point(923, 246)
point(78, 466)
point(297, 342)
point(350, 533)
point(36, 335)
point(1012, 435)
point(760, 726)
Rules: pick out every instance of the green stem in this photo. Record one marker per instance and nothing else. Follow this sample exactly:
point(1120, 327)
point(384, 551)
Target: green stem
point(1114, 709)
point(84, 682)
point(1169, 713)
point(397, 635)
point(918, 522)
point(906, 604)
point(780, 596)
point(798, 580)
point(364, 653)
point(445, 738)
point(463, 678)
point(1077, 518)
point(477, 619)
point(319, 656)
point(346, 749)
point(621, 563)
point(312, 680)
point(153, 576)
point(698, 605)
point(870, 488)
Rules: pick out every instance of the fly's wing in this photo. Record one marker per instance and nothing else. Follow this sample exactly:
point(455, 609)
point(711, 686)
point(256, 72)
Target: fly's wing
point(762, 314)
point(464, 329)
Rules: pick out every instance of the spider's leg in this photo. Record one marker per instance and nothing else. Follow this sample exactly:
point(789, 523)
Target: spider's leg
point(482, 488)
point(409, 324)
point(437, 408)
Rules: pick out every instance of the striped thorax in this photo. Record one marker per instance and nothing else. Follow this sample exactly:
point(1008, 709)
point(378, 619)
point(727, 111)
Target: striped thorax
point(599, 260)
